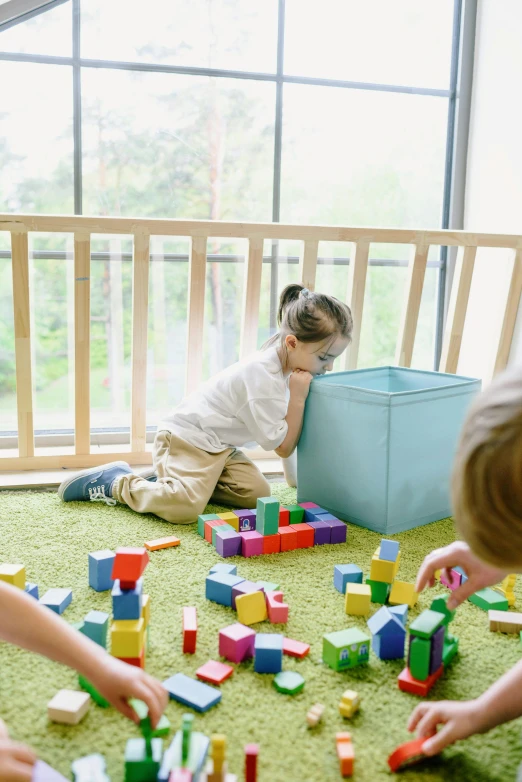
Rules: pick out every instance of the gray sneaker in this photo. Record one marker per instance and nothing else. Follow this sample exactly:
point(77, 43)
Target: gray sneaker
point(94, 484)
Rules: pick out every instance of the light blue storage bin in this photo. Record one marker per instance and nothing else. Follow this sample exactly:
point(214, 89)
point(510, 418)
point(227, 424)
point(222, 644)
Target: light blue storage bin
point(377, 445)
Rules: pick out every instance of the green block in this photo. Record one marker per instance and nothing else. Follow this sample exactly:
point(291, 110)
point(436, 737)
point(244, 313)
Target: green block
point(380, 590)
point(202, 520)
point(139, 767)
point(77, 626)
point(345, 649)
point(93, 692)
point(296, 513)
point(487, 598)
point(267, 515)
point(449, 650)
point(186, 729)
point(220, 528)
point(440, 604)
point(199, 744)
point(162, 728)
point(142, 710)
point(427, 623)
point(288, 682)
point(419, 658)
point(268, 586)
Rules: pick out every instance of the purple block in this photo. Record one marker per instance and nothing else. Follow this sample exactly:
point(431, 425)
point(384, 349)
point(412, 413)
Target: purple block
point(252, 545)
point(337, 528)
point(247, 519)
point(437, 644)
point(44, 773)
point(312, 514)
point(456, 578)
point(228, 544)
point(322, 532)
point(243, 588)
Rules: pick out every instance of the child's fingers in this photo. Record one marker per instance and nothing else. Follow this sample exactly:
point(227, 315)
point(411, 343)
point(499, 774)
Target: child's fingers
point(14, 771)
point(433, 715)
point(462, 592)
point(153, 699)
point(445, 737)
point(127, 710)
point(427, 570)
point(416, 715)
point(23, 753)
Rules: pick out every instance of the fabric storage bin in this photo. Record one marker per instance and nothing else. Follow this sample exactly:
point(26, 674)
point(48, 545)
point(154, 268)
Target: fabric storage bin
point(377, 445)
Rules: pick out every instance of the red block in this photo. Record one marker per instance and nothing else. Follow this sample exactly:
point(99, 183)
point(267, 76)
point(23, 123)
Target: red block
point(284, 517)
point(129, 564)
point(128, 584)
point(209, 525)
point(139, 662)
point(345, 753)
point(272, 544)
point(407, 754)
point(214, 672)
point(295, 648)
point(251, 753)
point(288, 538)
point(305, 535)
point(407, 683)
point(190, 630)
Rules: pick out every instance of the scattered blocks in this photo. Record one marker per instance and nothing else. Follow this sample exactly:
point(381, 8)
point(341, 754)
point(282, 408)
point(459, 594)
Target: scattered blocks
point(407, 683)
point(96, 626)
point(344, 574)
point(13, 574)
point(218, 587)
point(223, 567)
point(214, 672)
point(251, 543)
point(251, 608)
point(349, 703)
point(236, 642)
point(190, 692)
point(389, 550)
point(267, 515)
point(100, 570)
point(140, 765)
point(289, 682)
point(295, 648)
point(190, 630)
point(68, 707)
point(358, 599)
point(32, 589)
point(127, 603)
point(268, 653)
point(159, 543)
point(380, 590)
point(315, 715)
point(407, 754)
point(277, 610)
point(57, 599)
point(504, 622)
point(345, 649)
point(345, 753)
point(402, 592)
point(487, 598)
point(388, 634)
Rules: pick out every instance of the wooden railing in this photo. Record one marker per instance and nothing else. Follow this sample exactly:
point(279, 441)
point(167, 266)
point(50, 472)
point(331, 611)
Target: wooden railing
point(142, 229)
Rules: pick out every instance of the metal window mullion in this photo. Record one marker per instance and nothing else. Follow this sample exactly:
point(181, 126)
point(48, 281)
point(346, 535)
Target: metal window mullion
point(278, 143)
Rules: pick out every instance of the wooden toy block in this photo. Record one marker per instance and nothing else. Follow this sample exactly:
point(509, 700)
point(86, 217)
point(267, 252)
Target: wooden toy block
point(305, 535)
point(216, 770)
point(192, 693)
point(159, 543)
point(345, 649)
point(288, 538)
point(190, 630)
point(252, 543)
point(449, 650)
point(295, 648)
point(345, 753)
point(209, 526)
point(315, 715)
point(90, 768)
point(504, 622)
point(380, 590)
point(402, 592)
point(203, 519)
point(251, 753)
point(357, 599)
point(68, 707)
point(145, 609)
point(236, 642)
point(127, 603)
point(231, 518)
point(214, 672)
point(389, 550)
point(13, 574)
point(268, 586)
point(44, 773)
point(407, 754)
point(141, 766)
point(284, 517)
point(228, 544)
point(308, 505)
point(129, 563)
point(223, 567)
point(251, 608)
point(427, 623)
point(349, 703)
point(454, 580)
point(247, 519)
point(127, 637)
point(268, 653)
point(272, 544)
point(419, 656)
point(139, 662)
point(440, 604)
point(100, 570)
point(506, 588)
point(296, 513)
point(142, 710)
point(32, 590)
point(57, 599)
point(172, 758)
point(93, 692)
point(244, 588)
point(401, 612)
point(322, 532)
point(388, 634)
point(218, 587)
point(222, 528)
point(437, 649)
point(383, 569)
point(289, 682)
point(337, 527)
point(96, 626)
point(407, 683)
point(312, 514)
point(277, 610)
point(267, 515)
point(489, 599)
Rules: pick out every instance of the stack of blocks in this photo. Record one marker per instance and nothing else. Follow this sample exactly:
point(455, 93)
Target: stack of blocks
point(131, 608)
point(270, 529)
point(253, 601)
point(498, 598)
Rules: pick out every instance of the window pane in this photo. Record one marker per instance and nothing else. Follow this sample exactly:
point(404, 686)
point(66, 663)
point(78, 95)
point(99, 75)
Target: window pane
point(355, 157)
point(48, 33)
point(164, 145)
point(8, 418)
point(228, 34)
point(36, 141)
point(404, 42)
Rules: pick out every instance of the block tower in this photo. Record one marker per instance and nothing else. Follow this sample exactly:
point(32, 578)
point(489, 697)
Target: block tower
point(130, 606)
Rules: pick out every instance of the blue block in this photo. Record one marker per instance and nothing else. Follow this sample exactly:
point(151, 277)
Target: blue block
point(389, 550)
point(346, 573)
point(57, 599)
point(100, 570)
point(190, 692)
point(268, 653)
point(312, 514)
point(389, 648)
point(95, 626)
point(462, 573)
point(127, 603)
point(401, 611)
point(222, 567)
point(32, 589)
point(218, 587)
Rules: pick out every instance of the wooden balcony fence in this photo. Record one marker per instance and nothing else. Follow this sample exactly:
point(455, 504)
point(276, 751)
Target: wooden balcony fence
point(141, 230)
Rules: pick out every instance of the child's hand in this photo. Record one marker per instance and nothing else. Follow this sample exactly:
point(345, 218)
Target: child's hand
point(479, 574)
point(16, 760)
point(460, 719)
point(117, 682)
point(299, 384)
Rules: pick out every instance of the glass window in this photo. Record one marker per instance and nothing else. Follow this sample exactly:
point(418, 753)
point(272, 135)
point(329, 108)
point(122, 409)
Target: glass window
point(48, 33)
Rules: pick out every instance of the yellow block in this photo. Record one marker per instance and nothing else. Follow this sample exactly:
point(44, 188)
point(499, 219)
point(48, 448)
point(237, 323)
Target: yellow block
point(145, 609)
point(127, 637)
point(402, 592)
point(231, 519)
point(13, 574)
point(349, 703)
point(251, 608)
point(382, 569)
point(357, 600)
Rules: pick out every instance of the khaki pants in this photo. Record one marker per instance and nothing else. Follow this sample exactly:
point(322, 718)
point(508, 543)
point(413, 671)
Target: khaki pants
point(189, 478)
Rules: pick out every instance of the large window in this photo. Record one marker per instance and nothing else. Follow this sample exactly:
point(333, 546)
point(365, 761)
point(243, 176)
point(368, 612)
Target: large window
point(335, 112)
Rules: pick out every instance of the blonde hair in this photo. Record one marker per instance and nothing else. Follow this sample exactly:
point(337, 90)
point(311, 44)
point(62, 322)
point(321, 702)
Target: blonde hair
point(487, 475)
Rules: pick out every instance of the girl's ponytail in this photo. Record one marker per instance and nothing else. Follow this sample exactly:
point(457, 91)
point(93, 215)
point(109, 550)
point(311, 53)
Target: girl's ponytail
point(289, 294)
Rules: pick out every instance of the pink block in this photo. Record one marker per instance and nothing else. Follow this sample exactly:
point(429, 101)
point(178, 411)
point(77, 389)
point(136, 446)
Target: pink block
point(308, 505)
point(236, 642)
point(251, 544)
point(456, 579)
point(277, 610)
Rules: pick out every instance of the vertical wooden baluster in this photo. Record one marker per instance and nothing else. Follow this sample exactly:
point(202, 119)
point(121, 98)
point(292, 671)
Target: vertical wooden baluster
point(411, 306)
point(22, 334)
point(82, 342)
point(308, 264)
point(457, 309)
point(140, 312)
point(251, 294)
point(356, 286)
point(196, 312)
point(510, 314)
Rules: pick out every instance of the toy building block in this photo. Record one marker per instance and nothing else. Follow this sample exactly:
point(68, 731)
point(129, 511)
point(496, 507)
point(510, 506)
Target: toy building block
point(231, 518)
point(453, 581)
point(349, 703)
point(251, 608)
point(284, 517)
point(322, 532)
point(305, 535)
point(267, 515)
point(315, 715)
point(337, 527)
point(145, 609)
point(139, 662)
point(32, 589)
point(218, 587)
point(251, 753)
point(216, 770)
point(440, 604)
point(186, 729)
point(100, 570)
point(236, 642)
point(505, 622)
point(139, 765)
point(190, 692)
point(251, 543)
point(44, 773)
point(127, 603)
point(159, 543)
point(288, 538)
point(247, 520)
point(223, 567)
point(345, 753)
point(142, 710)
point(296, 513)
point(268, 586)
point(268, 653)
point(437, 649)
point(401, 611)
point(13, 574)
point(295, 648)
point(289, 682)
point(90, 768)
point(389, 550)
point(357, 599)
point(312, 514)
point(345, 649)
point(214, 672)
point(383, 569)
point(209, 526)
point(127, 637)
point(129, 563)
point(407, 754)
point(228, 544)
point(449, 650)
point(277, 610)
point(93, 692)
point(506, 588)
point(272, 544)
point(96, 626)
point(244, 588)
point(68, 707)
point(172, 758)
point(487, 598)
point(419, 656)
point(222, 529)
point(57, 599)
point(380, 590)
point(308, 505)
point(402, 592)
point(343, 574)
point(427, 623)
point(190, 629)
point(388, 634)
point(407, 683)
point(202, 521)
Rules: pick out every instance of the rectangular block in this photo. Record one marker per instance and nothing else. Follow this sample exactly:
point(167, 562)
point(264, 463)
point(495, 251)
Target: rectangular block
point(312, 514)
point(100, 570)
point(295, 648)
point(218, 587)
point(427, 623)
point(203, 519)
point(487, 598)
point(345, 649)
point(159, 543)
point(407, 683)
point(57, 599)
point(190, 629)
point(321, 532)
point(380, 590)
point(296, 513)
point(267, 515)
point(251, 543)
point(192, 693)
point(305, 535)
point(308, 505)
point(127, 603)
point(272, 544)
point(228, 545)
point(389, 550)
point(127, 638)
point(284, 517)
point(419, 656)
point(139, 662)
point(437, 648)
point(209, 526)
point(13, 574)
point(277, 609)
point(505, 621)
point(247, 520)
point(288, 537)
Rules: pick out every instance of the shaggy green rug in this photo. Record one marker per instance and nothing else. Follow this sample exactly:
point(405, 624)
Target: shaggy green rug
point(53, 539)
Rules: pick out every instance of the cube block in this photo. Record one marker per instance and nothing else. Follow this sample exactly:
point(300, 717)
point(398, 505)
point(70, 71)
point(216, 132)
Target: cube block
point(296, 513)
point(129, 563)
point(228, 545)
point(272, 544)
point(68, 707)
point(343, 574)
point(127, 638)
point(236, 642)
point(284, 517)
point(389, 550)
point(268, 653)
point(277, 610)
point(96, 626)
point(252, 543)
point(13, 574)
point(57, 599)
point(345, 649)
point(402, 592)
point(357, 599)
point(247, 520)
point(251, 608)
point(305, 535)
point(380, 590)
point(322, 532)
point(288, 538)
point(218, 587)
point(127, 603)
point(203, 519)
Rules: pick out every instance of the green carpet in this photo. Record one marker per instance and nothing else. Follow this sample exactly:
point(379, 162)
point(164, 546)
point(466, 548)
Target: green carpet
point(52, 539)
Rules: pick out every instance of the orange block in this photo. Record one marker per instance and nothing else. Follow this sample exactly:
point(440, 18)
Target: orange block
point(345, 753)
point(288, 538)
point(407, 754)
point(208, 528)
point(154, 545)
point(305, 535)
point(272, 544)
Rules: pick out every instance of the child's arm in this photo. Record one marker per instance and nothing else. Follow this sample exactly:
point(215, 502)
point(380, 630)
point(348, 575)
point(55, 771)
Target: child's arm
point(299, 385)
point(26, 623)
point(501, 703)
point(290, 469)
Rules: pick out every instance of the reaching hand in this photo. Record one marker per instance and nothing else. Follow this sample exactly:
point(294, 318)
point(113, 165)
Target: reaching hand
point(299, 384)
point(460, 719)
point(16, 760)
